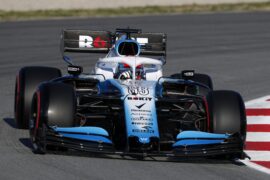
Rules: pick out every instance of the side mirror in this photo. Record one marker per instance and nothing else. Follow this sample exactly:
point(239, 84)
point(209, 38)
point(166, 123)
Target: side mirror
point(188, 74)
point(74, 70)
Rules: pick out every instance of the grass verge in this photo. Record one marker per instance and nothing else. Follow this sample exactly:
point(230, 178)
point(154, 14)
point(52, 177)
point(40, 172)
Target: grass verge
point(148, 10)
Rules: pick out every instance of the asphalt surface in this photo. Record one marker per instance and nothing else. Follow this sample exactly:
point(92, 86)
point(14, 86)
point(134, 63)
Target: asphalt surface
point(232, 48)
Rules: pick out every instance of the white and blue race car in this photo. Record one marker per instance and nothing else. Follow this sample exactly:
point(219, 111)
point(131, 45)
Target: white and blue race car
point(125, 106)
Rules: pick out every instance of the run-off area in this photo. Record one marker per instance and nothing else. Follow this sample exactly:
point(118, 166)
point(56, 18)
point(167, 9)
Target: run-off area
point(258, 133)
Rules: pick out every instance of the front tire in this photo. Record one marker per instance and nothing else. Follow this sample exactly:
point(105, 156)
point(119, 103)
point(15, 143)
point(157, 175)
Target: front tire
point(227, 115)
point(27, 81)
point(227, 112)
point(54, 104)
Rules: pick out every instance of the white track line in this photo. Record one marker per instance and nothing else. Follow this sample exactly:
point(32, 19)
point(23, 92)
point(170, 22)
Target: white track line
point(255, 166)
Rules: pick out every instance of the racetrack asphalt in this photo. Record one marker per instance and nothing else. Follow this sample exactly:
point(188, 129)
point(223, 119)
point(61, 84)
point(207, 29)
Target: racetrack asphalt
point(233, 48)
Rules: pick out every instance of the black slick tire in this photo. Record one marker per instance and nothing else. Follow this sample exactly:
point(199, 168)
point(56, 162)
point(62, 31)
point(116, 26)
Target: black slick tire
point(27, 81)
point(227, 112)
point(227, 115)
point(54, 104)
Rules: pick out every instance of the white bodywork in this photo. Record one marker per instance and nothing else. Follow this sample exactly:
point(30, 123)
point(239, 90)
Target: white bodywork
point(108, 66)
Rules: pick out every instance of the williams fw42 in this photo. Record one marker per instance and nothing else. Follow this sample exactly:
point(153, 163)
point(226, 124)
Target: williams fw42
point(125, 105)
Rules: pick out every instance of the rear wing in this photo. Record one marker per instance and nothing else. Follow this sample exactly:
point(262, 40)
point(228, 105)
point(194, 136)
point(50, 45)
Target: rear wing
point(151, 43)
point(86, 41)
point(102, 41)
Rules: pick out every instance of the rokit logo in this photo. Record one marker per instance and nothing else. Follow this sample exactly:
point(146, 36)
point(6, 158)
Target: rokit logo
point(139, 98)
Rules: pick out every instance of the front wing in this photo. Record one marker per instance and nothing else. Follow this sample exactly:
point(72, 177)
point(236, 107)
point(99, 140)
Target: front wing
point(188, 144)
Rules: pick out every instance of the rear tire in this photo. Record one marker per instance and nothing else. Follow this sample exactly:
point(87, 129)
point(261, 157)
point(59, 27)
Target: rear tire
point(203, 79)
point(27, 81)
point(200, 78)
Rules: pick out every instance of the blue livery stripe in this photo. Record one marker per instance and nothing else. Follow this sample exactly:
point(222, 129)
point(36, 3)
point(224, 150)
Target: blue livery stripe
point(192, 142)
point(82, 130)
point(200, 135)
point(98, 139)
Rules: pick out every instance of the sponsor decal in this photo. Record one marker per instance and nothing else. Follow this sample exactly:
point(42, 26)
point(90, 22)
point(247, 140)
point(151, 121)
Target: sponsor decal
point(141, 118)
point(188, 73)
point(73, 68)
point(89, 42)
point(140, 110)
point(143, 139)
point(139, 98)
point(140, 40)
point(141, 114)
point(140, 106)
point(85, 41)
point(143, 131)
point(99, 43)
point(147, 127)
point(142, 123)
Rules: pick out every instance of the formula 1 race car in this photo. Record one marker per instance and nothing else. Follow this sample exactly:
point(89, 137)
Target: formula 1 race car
point(126, 106)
